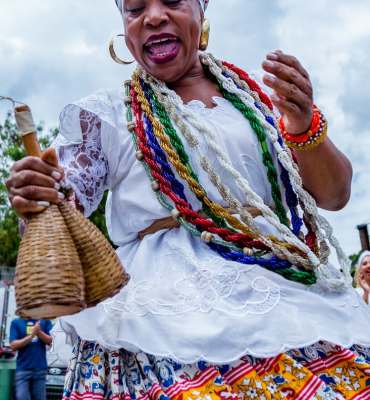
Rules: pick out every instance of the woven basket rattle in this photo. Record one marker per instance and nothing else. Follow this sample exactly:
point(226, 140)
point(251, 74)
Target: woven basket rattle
point(65, 263)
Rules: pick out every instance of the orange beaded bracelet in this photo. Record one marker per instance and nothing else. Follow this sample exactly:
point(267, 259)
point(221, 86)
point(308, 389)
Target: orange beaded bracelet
point(313, 137)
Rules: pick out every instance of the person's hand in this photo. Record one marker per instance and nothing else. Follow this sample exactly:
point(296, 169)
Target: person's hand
point(33, 183)
point(293, 94)
point(36, 329)
point(363, 283)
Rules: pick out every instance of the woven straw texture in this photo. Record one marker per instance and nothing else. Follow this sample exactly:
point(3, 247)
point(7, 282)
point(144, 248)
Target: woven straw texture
point(103, 271)
point(49, 278)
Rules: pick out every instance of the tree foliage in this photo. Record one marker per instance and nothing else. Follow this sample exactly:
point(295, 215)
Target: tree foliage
point(12, 150)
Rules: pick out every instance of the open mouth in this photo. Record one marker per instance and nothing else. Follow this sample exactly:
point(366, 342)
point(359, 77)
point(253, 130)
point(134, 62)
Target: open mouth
point(162, 47)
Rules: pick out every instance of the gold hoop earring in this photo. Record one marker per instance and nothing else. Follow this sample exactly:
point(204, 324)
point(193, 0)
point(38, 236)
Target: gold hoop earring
point(114, 55)
point(204, 36)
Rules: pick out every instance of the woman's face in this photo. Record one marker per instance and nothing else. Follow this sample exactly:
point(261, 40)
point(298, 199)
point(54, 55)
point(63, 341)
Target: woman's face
point(163, 35)
point(365, 268)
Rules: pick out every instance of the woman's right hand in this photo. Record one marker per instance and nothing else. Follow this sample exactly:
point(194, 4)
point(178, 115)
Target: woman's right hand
point(34, 183)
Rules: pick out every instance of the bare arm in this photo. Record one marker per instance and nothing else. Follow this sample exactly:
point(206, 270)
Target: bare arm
point(45, 338)
point(20, 343)
point(325, 171)
point(327, 174)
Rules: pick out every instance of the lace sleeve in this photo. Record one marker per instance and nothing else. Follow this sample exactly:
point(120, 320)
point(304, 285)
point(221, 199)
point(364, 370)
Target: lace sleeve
point(85, 164)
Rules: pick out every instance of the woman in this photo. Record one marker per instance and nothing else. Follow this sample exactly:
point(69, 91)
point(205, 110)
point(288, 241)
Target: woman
point(363, 276)
point(214, 307)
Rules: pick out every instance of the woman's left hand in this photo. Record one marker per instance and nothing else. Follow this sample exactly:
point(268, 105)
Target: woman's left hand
point(293, 95)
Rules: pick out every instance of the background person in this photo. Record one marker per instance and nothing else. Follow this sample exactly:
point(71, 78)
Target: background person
point(29, 338)
point(362, 277)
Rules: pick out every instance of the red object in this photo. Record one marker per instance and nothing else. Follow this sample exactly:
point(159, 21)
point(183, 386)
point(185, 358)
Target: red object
point(191, 216)
point(303, 137)
point(251, 83)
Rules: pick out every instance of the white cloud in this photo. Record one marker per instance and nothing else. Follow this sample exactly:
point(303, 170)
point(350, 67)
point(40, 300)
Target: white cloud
point(56, 52)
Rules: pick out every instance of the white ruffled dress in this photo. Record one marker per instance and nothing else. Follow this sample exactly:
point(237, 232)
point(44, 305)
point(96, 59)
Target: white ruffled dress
point(183, 301)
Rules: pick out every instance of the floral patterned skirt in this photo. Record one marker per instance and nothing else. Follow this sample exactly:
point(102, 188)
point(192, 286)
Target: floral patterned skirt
point(321, 371)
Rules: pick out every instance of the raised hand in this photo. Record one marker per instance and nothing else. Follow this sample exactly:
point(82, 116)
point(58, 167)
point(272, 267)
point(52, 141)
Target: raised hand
point(293, 94)
point(36, 329)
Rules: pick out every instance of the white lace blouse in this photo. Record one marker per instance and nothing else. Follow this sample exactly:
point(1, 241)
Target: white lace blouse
point(183, 300)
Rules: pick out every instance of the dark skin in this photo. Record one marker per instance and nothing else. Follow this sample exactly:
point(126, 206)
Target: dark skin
point(182, 19)
point(293, 98)
point(325, 171)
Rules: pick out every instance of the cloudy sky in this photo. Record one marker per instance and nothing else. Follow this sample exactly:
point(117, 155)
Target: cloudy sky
point(55, 52)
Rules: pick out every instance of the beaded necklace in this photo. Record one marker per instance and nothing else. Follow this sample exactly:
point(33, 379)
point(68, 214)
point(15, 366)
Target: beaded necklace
point(310, 219)
point(264, 104)
point(148, 96)
point(266, 155)
point(177, 142)
point(305, 277)
point(242, 80)
point(182, 206)
point(225, 249)
point(217, 208)
point(319, 225)
point(282, 250)
point(183, 156)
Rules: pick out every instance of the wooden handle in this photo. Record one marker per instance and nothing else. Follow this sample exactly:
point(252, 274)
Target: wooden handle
point(30, 142)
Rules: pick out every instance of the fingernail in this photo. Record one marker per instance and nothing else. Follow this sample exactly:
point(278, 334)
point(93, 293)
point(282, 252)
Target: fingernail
point(272, 56)
point(43, 203)
point(61, 195)
point(268, 64)
point(57, 186)
point(275, 98)
point(270, 78)
point(56, 175)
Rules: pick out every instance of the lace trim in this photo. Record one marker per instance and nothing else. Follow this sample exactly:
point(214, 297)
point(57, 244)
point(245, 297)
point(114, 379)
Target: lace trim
point(199, 283)
point(300, 344)
point(85, 164)
point(223, 107)
point(100, 104)
point(203, 300)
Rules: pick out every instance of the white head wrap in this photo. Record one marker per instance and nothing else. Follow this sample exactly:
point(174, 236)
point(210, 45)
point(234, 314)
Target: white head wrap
point(203, 4)
point(362, 256)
